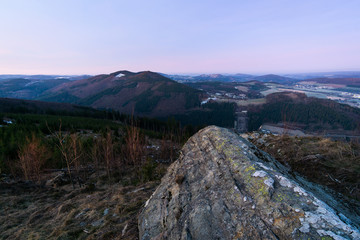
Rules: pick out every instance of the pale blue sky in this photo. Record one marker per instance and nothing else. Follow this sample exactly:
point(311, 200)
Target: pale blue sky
point(183, 36)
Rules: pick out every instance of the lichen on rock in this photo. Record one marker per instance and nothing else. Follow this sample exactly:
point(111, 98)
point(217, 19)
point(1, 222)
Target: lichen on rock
point(222, 187)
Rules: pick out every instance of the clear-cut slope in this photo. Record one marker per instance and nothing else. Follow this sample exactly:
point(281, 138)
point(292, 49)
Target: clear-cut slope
point(222, 187)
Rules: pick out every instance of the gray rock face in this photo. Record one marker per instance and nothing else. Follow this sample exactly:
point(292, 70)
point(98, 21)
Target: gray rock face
point(222, 187)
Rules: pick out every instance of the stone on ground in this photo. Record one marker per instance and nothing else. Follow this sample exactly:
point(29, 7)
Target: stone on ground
point(222, 187)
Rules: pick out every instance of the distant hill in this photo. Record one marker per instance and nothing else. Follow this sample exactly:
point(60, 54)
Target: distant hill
point(343, 74)
point(223, 78)
point(25, 107)
point(355, 82)
point(9, 105)
point(275, 78)
point(42, 77)
point(232, 78)
point(211, 78)
point(28, 88)
point(307, 113)
point(32, 86)
point(250, 89)
point(144, 93)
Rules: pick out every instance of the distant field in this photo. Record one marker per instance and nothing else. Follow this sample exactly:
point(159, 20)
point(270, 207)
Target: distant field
point(270, 91)
point(257, 101)
point(349, 89)
point(308, 93)
point(242, 88)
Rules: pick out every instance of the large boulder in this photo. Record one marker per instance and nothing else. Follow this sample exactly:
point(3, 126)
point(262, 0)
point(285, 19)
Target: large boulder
point(222, 187)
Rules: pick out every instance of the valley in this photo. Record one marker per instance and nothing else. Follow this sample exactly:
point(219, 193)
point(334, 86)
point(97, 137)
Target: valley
point(91, 152)
point(189, 98)
point(346, 94)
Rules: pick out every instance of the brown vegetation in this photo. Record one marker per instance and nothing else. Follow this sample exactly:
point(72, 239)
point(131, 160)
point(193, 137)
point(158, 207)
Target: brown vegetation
point(69, 148)
point(32, 157)
point(116, 173)
point(334, 164)
point(134, 145)
point(107, 211)
point(108, 151)
point(80, 153)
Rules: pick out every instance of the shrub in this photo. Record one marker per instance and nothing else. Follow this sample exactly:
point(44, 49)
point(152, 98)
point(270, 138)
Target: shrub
point(32, 157)
point(148, 170)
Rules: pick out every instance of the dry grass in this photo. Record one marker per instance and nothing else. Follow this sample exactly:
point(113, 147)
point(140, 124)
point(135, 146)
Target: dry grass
point(334, 164)
point(102, 208)
point(66, 213)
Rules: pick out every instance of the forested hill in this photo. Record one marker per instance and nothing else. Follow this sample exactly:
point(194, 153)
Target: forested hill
point(312, 114)
point(10, 105)
point(143, 93)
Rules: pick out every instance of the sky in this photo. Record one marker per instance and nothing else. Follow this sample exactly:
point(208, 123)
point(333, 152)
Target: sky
point(179, 36)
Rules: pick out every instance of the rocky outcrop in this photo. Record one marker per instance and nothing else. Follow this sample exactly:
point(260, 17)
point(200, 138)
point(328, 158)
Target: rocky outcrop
point(222, 187)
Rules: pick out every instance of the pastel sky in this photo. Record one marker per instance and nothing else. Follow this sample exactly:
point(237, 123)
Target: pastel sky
point(179, 36)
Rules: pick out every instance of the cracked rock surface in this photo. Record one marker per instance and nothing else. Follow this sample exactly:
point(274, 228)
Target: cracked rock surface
point(222, 187)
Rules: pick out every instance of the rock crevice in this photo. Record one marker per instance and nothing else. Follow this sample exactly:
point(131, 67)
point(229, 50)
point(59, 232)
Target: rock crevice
point(222, 187)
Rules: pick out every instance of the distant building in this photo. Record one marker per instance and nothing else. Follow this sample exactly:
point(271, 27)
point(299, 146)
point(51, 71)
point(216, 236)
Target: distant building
point(241, 121)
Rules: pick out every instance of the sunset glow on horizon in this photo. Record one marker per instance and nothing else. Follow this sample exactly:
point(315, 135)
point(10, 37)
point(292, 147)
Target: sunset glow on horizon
point(255, 37)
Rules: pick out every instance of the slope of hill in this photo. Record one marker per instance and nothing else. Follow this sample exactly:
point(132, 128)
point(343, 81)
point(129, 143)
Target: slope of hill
point(308, 113)
point(144, 93)
point(342, 74)
point(223, 78)
point(28, 88)
point(8, 105)
point(344, 81)
point(275, 78)
point(231, 78)
point(239, 77)
point(249, 89)
point(42, 77)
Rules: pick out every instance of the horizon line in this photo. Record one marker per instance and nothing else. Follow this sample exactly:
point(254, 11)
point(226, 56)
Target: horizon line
point(192, 73)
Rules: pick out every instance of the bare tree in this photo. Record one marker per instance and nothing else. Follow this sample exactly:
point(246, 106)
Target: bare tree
point(167, 147)
point(134, 145)
point(32, 157)
point(95, 154)
point(70, 149)
point(75, 150)
point(108, 152)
